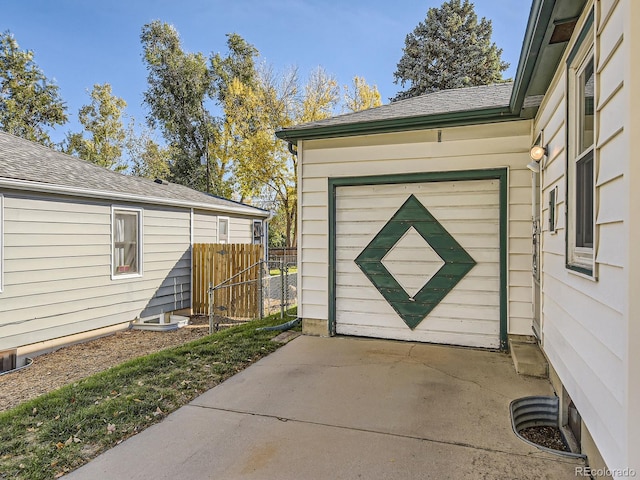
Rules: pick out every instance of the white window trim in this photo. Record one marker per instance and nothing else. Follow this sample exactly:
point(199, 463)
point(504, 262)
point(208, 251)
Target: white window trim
point(262, 236)
point(580, 260)
point(228, 240)
point(139, 212)
point(1, 243)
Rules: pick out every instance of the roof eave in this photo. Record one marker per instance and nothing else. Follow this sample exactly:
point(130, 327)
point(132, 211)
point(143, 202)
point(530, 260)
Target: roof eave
point(539, 17)
point(449, 119)
point(538, 58)
point(30, 186)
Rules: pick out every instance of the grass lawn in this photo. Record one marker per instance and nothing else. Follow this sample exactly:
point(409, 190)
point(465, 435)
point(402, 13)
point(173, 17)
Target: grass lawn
point(276, 271)
point(60, 431)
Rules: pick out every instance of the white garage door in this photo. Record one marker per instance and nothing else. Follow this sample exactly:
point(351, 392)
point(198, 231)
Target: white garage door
point(419, 261)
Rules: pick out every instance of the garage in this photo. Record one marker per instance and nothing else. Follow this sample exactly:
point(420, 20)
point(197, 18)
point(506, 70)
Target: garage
point(457, 273)
point(420, 260)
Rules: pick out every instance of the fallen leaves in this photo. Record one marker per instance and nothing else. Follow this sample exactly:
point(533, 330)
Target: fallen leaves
point(71, 440)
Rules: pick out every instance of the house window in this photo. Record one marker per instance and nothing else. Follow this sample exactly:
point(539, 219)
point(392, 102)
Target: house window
point(257, 232)
point(580, 156)
point(126, 242)
point(223, 230)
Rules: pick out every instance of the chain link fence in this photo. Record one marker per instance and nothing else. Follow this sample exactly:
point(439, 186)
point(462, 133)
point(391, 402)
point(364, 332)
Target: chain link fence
point(271, 287)
point(280, 286)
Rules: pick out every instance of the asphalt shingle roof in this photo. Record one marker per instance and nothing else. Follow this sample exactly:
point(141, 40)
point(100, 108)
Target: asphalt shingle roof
point(28, 161)
point(441, 102)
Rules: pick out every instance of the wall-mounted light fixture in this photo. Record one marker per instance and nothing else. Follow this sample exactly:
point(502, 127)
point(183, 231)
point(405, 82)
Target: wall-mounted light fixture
point(537, 153)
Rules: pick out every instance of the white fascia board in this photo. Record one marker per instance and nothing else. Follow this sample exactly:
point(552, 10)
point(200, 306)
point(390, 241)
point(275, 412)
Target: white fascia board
point(31, 186)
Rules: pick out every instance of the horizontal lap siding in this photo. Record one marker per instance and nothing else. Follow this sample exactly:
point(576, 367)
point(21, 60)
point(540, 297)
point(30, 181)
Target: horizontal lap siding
point(240, 230)
point(57, 268)
point(462, 148)
point(167, 236)
point(469, 211)
point(205, 227)
point(583, 320)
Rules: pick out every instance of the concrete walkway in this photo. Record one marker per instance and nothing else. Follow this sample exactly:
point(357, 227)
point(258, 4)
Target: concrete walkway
point(346, 408)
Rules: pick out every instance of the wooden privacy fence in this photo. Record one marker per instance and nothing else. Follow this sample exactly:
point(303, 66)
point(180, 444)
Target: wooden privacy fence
point(221, 264)
point(287, 255)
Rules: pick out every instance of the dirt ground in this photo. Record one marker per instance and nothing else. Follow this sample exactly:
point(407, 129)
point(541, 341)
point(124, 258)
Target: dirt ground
point(70, 364)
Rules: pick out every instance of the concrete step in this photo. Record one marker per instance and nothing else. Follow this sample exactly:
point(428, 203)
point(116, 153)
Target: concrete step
point(528, 359)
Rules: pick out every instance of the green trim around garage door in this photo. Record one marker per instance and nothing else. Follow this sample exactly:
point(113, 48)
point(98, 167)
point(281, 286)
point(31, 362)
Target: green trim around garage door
point(496, 173)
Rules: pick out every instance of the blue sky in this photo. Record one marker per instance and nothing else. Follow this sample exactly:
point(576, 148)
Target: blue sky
point(78, 43)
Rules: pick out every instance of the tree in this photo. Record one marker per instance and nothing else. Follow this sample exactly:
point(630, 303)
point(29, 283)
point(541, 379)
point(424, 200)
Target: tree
point(449, 49)
point(179, 85)
point(182, 88)
point(238, 65)
point(232, 76)
point(264, 164)
point(102, 119)
point(362, 96)
point(146, 157)
point(321, 95)
point(29, 102)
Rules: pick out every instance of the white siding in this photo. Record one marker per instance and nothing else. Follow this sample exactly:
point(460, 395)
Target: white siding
point(631, 14)
point(462, 148)
point(206, 228)
point(470, 211)
point(240, 230)
point(583, 320)
point(57, 268)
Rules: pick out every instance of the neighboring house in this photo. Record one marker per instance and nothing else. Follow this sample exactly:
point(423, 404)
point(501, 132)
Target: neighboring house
point(84, 249)
point(422, 220)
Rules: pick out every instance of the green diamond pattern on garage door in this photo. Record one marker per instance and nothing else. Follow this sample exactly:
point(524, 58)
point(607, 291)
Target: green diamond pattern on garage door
point(457, 262)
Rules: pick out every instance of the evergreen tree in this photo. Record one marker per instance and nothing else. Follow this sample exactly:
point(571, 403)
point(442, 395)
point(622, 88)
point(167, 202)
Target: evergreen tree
point(449, 49)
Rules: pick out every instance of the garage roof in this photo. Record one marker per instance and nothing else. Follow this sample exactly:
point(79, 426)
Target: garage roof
point(443, 106)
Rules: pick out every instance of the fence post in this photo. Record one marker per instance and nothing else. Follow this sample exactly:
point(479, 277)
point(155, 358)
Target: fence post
point(211, 322)
point(282, 288)
point(261, 287)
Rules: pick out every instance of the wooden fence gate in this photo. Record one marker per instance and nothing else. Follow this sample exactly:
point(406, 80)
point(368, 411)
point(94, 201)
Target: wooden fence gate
point(236, 269)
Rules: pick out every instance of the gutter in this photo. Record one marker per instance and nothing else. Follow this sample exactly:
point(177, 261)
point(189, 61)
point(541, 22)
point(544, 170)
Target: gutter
point(30, 186)
point(449, 119)
point(541, 11)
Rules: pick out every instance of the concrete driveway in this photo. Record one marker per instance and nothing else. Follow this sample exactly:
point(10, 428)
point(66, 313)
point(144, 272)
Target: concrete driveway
point(346, 408)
